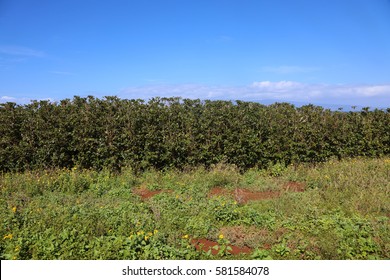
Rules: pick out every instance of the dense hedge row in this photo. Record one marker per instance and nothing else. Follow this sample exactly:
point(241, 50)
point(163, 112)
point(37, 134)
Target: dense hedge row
point(174, 132)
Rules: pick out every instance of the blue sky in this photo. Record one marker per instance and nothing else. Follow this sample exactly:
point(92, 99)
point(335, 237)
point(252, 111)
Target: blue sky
point(321, 52)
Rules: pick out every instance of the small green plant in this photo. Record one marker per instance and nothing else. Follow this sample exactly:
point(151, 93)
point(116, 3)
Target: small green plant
point(224, 249)
point(225, 209)
point(281, 250)
point(261, 254)
point(276, 169)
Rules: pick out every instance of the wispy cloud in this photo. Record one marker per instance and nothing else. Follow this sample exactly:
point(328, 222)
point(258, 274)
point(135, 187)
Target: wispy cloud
point(277, 87)
point(287, 91)
point(366, 90)
point(289, 69)
point(374, 95)
point(21, 100)
point(182, 90)
point(20, 51)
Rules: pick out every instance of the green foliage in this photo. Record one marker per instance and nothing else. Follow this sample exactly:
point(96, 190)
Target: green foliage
point(250, 216)
point(163, 133)
point(277, 169)
point(89, 214)
point(225, 210)
point(261, 254)
point(223, 247)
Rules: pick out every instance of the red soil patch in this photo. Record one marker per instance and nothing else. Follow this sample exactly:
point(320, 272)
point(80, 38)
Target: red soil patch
point(206, 245)
point(146, 194)
point(245, 195)
point(218, 191)
point(267, 246)
point(240, 195)
point(243, 239)
point(250, 236)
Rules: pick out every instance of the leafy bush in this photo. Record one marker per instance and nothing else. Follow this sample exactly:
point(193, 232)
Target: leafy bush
point(166, 133)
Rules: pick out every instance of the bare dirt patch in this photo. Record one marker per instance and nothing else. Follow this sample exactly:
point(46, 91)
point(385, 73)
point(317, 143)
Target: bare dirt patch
point(146, 194)
point(244, 195)
point(243, 236)
point(243, 239)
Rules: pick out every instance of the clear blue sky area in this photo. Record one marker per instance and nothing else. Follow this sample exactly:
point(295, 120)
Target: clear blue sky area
point(321, 52)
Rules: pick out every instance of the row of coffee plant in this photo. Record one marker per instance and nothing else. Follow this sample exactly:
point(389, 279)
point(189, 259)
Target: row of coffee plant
point(178, 133)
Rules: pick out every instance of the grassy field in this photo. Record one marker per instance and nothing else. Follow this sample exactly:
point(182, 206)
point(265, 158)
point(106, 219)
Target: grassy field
point(334, 210)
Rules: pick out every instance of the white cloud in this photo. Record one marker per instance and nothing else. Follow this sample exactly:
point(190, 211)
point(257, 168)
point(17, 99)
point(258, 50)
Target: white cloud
point(282, 86)
point(21, 100)
point(285, 91)
point(375, 95)
point(182, 90)
point(375, 90)
point(5, 99)
point(20, 51)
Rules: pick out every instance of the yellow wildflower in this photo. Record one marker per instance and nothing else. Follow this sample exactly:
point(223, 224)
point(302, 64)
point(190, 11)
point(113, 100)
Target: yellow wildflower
point(146, 237)
point(14, 209)
point(8, 236)
point(221, 236)
point(155, 231)
point(185, 236)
